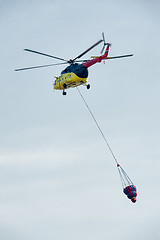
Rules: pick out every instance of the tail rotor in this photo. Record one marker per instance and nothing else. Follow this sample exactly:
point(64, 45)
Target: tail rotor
point(104, 43)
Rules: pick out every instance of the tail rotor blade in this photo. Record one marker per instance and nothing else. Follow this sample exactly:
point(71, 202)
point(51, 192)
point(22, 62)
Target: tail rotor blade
point(103, 37)
point(103, 49)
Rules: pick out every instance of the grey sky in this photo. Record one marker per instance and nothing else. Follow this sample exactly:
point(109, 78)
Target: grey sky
point(57, 178)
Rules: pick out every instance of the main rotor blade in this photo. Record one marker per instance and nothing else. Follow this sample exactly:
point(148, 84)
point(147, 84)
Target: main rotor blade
point(79, 56)
point(84, 60)
point(44, 54)
point(129, 55)
point(48, 65)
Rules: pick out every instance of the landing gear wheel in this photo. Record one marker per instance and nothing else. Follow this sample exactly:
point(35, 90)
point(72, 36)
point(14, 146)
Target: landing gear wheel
point(64, 93)
point(88, 86)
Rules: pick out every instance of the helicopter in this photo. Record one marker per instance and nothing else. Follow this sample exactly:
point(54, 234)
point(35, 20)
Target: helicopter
point(76, 73)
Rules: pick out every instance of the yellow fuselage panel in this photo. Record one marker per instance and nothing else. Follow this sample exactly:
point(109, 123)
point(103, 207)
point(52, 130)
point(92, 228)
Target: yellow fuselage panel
point(68, 80)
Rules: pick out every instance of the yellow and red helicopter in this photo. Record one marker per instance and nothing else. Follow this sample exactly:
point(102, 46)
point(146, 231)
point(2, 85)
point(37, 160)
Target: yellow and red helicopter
point(76, 73)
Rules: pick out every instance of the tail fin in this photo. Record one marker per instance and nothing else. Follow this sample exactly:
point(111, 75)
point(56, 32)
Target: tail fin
point(105, 54)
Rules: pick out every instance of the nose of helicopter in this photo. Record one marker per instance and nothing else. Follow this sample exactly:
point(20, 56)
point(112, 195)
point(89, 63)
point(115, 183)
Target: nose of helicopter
point(54, 84)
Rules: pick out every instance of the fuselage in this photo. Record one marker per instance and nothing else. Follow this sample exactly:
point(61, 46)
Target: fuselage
point(76, 74)
point(72, 76)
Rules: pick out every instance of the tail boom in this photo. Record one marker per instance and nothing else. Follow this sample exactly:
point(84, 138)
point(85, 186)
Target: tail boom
point(97, 59)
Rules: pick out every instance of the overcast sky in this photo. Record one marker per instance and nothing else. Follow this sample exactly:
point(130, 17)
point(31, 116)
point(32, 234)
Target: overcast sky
point(58, 180)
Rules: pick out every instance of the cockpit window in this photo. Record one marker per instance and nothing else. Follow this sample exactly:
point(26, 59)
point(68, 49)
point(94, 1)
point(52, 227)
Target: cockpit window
point(66, 70)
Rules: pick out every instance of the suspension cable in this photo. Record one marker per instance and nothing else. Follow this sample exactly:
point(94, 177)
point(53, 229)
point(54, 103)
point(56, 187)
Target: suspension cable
point(114, 157)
